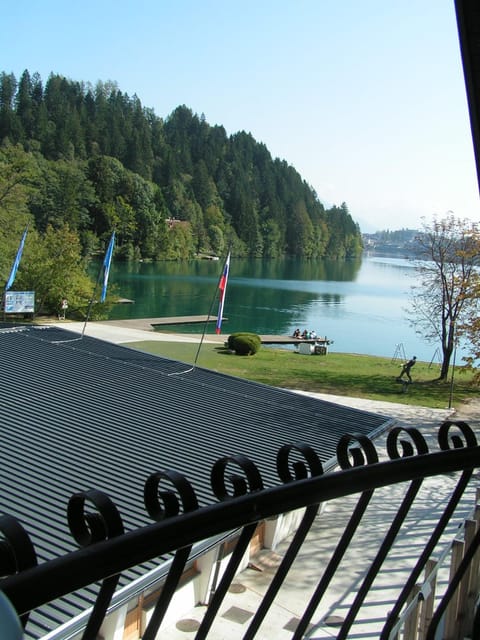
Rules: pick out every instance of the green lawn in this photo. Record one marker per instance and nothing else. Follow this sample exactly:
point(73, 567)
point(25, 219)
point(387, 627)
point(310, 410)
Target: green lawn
point(337, 373)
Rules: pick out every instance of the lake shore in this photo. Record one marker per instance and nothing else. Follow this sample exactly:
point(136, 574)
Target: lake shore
point(359, 304)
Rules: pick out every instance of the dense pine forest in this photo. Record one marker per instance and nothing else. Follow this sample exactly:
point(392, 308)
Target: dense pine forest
point(77, 161)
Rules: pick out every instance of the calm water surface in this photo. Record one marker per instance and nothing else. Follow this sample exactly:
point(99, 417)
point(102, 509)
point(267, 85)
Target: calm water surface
point(360, 305)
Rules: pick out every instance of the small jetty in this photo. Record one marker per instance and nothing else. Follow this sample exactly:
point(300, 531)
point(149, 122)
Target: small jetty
point(294, 341)
point(150, 324)
point(306, 346)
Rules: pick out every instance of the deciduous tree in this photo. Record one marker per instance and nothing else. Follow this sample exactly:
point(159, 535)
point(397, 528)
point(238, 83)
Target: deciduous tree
point(53, 267)
point(446, 295)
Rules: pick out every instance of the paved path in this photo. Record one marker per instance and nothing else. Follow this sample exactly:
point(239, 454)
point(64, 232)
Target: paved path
point(122, 333)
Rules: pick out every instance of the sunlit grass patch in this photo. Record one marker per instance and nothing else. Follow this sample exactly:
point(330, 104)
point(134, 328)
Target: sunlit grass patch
point(355, 375)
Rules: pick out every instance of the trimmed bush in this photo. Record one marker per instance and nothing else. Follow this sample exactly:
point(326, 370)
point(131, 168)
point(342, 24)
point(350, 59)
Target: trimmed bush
point(233, 336)
point(244, 344)
point(231, 339)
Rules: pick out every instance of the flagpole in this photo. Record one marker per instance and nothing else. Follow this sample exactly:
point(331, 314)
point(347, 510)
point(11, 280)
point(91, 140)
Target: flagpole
point(205, 325)
point(206, 321)
point(211, 307)
point(104, 269)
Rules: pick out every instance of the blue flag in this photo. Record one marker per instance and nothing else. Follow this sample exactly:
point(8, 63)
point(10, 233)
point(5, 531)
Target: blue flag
point(18, 257)
point(106, 266)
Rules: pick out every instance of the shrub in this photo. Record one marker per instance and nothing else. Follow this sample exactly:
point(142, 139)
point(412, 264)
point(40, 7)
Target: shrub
point(244, 344)
point(232, 337)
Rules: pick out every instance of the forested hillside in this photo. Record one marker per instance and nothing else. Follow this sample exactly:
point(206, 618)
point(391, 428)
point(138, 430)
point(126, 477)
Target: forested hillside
point(96, 159)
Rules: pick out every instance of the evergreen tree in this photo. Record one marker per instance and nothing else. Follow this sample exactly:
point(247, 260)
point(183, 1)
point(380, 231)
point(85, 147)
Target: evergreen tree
point(10, 124)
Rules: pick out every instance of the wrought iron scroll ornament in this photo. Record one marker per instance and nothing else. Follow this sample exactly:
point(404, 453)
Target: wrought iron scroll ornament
point(88, 528)
point(455, 435)
point(399, 447)
point(294, 462)
point(239, 484)
point(162, 504)
point(171, 504)
point(16, 549)
point(309, 466)
point(355, 450)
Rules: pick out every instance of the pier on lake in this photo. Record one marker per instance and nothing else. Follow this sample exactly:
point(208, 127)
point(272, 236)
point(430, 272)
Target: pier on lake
point(151, 324)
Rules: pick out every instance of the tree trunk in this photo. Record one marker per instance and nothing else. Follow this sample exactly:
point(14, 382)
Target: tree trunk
point(447, 355)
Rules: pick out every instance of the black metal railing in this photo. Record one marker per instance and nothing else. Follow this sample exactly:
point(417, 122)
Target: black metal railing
point(106, 551)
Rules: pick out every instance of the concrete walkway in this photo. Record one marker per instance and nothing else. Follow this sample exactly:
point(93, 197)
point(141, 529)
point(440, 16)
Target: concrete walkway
point(121, 333)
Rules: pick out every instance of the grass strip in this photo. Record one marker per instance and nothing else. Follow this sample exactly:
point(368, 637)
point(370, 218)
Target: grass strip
point(360, 376)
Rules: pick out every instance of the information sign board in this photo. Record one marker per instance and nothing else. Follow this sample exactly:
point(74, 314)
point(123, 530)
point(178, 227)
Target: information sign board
point(19, 302)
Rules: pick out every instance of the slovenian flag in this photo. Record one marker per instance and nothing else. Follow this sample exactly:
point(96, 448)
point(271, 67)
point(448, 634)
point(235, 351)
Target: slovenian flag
point(18, 257)
point(106, 266)
point(222, 285)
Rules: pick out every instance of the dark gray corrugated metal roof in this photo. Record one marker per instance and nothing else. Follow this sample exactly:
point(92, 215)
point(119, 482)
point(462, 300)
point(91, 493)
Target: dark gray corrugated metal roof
point(81, 414)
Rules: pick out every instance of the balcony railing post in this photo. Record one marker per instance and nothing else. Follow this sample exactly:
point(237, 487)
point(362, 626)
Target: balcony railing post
point(474, 589)
point(410, 631)
point(465, 612)
point(458, 548)
point(428, 600)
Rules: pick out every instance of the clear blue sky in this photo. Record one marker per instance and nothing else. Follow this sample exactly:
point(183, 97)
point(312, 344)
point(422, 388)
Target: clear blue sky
point(365, 98)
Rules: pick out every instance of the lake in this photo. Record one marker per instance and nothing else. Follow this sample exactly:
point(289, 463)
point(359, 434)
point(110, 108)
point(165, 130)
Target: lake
point(359, 304)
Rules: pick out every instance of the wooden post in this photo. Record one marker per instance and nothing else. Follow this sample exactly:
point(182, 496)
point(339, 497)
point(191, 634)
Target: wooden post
point(475, 571)
point(463, 612)
point(410, 630)
point(426, 612)
point(451, 612)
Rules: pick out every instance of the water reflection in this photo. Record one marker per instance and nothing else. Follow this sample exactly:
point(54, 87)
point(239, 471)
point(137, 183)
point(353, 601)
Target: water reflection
point(290, 269)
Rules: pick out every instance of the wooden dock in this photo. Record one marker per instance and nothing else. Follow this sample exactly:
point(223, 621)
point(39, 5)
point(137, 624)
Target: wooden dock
point(295, 341)
point(149, 324)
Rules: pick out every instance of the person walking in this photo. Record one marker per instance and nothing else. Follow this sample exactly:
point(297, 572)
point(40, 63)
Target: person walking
point(407, 368)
